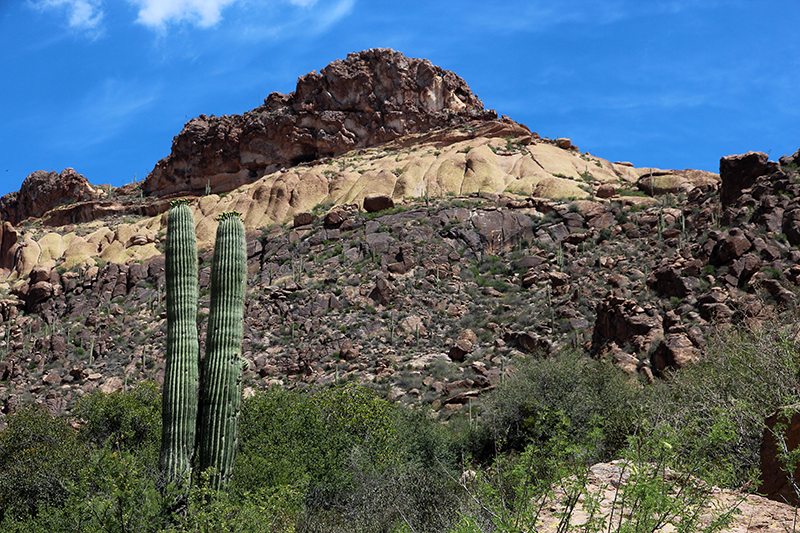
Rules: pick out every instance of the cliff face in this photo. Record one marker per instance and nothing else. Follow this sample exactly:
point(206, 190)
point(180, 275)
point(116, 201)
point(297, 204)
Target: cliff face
point(370, 98)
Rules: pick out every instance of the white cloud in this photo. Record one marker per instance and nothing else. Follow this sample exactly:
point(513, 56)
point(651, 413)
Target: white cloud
point(82, 14)
point(157, 13)
point(277, 24)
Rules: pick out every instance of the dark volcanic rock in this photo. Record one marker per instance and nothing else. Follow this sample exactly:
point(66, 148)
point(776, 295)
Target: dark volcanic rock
point(775, 483)
point(739, 172)
point(625, 323)
point(370, 98)
point(42, 191)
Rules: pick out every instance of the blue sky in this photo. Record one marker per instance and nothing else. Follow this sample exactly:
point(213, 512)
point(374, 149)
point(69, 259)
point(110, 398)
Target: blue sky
point(103, 85)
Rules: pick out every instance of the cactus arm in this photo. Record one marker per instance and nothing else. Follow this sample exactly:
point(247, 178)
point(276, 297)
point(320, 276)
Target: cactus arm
point(220, 394)
point(179, 410)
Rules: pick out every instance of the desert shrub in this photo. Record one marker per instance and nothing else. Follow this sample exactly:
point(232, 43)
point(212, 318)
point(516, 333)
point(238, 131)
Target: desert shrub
point(745, 374)
point(591, 402)
point(40, 457)
point(343, 459)
point(123, 419)
point(121, 490)
point(289, 437)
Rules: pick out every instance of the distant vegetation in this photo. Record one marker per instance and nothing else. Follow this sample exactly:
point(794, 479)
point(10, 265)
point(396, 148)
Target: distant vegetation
point(343, 459)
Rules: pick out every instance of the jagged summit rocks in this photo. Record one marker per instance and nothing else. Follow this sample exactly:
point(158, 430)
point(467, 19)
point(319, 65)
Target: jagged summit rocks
point(41, 191)
point(370, 98)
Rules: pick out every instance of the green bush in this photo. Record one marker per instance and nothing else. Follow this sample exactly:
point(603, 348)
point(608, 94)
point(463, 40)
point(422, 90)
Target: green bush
point(745, 374)
point(360, 463)
point(124, 419)
point(305, 439)
point(592, 400)
point(40, 457)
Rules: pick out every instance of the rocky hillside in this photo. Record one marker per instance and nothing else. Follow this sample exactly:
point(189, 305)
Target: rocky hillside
point(398, 235)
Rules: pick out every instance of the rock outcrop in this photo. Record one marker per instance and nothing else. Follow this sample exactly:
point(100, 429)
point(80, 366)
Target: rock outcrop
point(781, 429)
point(739, 172)
point(369, 98)
point(42, 191)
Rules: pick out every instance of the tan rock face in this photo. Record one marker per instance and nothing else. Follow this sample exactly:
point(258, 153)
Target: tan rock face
point(607, 482)
point(369, 98)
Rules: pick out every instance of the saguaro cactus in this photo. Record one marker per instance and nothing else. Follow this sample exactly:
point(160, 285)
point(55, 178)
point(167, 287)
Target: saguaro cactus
point(220, 394)
point(179, 410)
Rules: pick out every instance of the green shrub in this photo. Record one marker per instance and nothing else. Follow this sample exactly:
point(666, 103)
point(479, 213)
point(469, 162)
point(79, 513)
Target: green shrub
point(359, 462)
point(745, 374)
point(39, 459)
point(592, 400)
point(122, 419)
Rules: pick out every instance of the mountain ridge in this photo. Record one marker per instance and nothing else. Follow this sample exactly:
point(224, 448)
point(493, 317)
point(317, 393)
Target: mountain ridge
point(489, 244)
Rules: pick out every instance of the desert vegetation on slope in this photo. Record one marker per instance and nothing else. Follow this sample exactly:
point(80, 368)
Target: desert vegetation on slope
point(344, 459)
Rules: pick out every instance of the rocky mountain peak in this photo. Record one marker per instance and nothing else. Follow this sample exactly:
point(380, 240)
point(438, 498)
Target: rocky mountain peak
point(41, 191)
point(370, 98)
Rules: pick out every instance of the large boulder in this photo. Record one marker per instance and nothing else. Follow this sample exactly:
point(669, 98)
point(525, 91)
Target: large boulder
point(739, 172)
point(370, 98)
point(8, 238)
point(626, 323)
point(793, 159)
point(733, 245)
point(775, 483)
point(674, 352)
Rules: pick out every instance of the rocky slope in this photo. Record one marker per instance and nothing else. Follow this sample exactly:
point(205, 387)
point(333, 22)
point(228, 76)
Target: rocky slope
point(424, 266)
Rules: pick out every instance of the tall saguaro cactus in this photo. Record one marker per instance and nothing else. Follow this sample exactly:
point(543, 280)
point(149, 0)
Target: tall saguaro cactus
point(179, 411)
point(220, 394)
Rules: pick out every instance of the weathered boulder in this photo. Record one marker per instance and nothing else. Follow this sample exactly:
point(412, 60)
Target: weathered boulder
point(775, 483)
point(605, 482)
point(304, 219)
point(781, 294)
point(793, 159)
point(744, 268)
point(656, 181)
point(383, 292)
point(8, 238)
point(626, 323)
point(732, 245)
point(605, 190)
point(791, 224)
point(667, 281)
point(377, 202)
point(460, 350)
point(530, 342)
point(739, 172)
point(673, 352)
